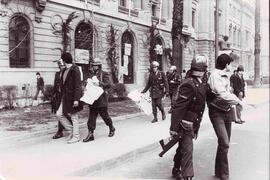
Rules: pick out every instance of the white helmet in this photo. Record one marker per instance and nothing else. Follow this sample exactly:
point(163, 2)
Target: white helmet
point(154, 64)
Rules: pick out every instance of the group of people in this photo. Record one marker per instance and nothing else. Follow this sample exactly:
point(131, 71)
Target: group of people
point(197, 89)
point(188, 98)
point(68, 89)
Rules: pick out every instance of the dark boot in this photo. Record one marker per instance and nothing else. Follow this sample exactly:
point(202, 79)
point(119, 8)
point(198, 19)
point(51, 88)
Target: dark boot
point(112, 131)
point(176, 173)
point(90, 137)
point(58, 135)
point(187, 178)
point(155, 118)
point(163, 114)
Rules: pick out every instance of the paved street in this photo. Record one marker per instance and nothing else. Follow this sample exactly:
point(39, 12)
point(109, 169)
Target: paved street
point(248, 156)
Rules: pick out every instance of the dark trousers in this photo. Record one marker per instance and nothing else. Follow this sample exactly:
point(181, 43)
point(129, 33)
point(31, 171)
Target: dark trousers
point(156, 102)
point(221, 122)
point(183, 159)
point(93, 113)
point(37, 92)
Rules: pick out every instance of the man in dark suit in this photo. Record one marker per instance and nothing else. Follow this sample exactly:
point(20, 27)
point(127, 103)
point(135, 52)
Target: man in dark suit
point(158, 85)
point(56, 96)
point(100, 106)
point(174, 80)
point(239, 83)
point(71, 92)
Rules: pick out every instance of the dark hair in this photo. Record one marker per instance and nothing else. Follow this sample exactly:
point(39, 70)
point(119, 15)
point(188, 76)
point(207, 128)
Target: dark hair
point(37, 73)
point(223, 60)
point(240, 68)
point(67, 58)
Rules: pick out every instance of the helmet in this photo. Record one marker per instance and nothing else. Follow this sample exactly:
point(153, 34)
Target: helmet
point(154, 64)
point(199, 65)
point(173, 68)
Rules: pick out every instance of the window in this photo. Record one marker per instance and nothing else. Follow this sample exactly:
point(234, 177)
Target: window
point(127, 59)
point(123, 3)
point(84, 46)
point(154, 10)
point(19, 42)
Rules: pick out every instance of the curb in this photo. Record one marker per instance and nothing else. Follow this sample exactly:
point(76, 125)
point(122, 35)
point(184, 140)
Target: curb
point(113, 162)
point(39, 134)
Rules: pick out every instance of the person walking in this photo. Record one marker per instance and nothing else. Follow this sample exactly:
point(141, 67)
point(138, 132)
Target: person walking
point(186, 117)
point(56, 96)
point(100, 106)
point(71, 92)
point(239, 83)
point(221, 120)
point(174, 80)
point(40, 86)
point(158, 85)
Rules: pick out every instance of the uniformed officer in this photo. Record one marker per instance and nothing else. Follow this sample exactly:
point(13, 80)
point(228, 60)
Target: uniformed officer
point(158, 87)
point(100, 106)
point(174, 80)
point(186, 117)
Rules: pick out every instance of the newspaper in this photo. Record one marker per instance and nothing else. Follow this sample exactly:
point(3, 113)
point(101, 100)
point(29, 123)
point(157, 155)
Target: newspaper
point(143, 101)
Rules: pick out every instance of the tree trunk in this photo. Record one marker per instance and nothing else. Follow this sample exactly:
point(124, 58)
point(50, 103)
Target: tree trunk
point(177, 26)
point(257, 45)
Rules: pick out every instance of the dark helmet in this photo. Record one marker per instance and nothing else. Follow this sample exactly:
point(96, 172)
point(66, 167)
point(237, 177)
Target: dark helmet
point(240, 68)
point(199, 65)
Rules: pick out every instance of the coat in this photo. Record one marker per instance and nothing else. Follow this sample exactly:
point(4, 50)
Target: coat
point(174, 80)
point(190, 103)
point(157, 85)
point(238, 85)
point(105, 83)
point(71, 90)
point(56, 96)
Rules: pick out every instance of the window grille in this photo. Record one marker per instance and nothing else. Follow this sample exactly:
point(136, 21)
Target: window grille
point(19, 42)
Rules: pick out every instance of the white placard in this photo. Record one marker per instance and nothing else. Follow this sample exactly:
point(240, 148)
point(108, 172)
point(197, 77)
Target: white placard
point(92, 92)
point(127, 49)
point(81, 56)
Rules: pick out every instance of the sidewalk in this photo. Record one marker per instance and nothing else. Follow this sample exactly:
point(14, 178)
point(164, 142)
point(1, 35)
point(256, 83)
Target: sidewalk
point(37, 155)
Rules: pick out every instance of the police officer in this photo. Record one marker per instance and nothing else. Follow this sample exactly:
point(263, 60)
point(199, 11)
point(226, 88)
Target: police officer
point(174, 80)
point(186, 117)
point(158, 87)
point(100, 106)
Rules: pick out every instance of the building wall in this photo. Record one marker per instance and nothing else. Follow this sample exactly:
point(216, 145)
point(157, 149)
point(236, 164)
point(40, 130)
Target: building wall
point(45, 44)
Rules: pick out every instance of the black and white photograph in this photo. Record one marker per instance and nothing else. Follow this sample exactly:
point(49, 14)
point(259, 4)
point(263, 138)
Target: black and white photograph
point(134, 89)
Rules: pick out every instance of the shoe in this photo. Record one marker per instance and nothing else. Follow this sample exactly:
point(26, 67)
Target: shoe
point(58, 135)
point(154, 120)
point(73, 140)
point(170, 111)
point(239, 121)
point(176, 173)
point(90, 137)
point(111, 133)
point(163, 116)
point(187, 178)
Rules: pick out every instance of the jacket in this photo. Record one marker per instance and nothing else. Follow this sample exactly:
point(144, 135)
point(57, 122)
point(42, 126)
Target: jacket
point(157, 85)
point(105, 83)
point(190, 103)
point(71, 90)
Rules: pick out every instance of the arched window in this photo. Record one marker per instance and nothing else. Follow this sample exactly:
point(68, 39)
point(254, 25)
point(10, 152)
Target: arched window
point(127, 62)
point(84, 46)
point(19, 42)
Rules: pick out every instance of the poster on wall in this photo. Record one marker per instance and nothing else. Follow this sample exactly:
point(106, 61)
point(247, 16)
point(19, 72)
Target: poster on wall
point(127, 49)
point(81, 56)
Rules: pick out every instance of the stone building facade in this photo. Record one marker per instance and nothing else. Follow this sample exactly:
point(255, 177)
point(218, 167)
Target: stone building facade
point(31, 37)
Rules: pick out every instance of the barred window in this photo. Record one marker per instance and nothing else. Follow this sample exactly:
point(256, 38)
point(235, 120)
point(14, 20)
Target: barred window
point(19, 42)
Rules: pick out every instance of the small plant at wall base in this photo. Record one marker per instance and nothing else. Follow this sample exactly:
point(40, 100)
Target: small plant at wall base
point(112, 56)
